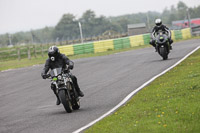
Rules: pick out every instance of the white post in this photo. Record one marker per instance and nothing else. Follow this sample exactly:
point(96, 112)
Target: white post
point(10, 41)
point(148, 24)
point(189, 21)
point(80, 32)
point(188, 14)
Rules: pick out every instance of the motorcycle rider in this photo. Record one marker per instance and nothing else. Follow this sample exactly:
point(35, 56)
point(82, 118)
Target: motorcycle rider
point(56, 60)
point(160, 27)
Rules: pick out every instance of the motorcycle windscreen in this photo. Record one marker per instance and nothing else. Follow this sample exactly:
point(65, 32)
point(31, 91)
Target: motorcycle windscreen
point(55, 72)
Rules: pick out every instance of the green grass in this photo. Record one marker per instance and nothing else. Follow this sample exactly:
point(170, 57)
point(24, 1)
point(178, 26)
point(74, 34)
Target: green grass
point(12, 64)
point(170, 104)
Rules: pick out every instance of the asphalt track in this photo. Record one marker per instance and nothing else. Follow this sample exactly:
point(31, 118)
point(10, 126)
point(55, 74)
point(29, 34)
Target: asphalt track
point(27, 104)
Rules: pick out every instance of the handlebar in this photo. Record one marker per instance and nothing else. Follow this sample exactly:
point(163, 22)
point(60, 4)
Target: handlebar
point(48, 76)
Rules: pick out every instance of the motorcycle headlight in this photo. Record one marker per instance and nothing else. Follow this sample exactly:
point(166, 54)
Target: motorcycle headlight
point(59, 77)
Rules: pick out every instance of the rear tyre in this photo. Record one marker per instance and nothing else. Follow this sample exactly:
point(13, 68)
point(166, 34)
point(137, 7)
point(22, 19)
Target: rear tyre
point(65, 101)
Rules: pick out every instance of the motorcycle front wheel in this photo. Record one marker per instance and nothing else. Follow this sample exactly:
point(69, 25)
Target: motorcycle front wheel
point(163, 53)
point(65, 101)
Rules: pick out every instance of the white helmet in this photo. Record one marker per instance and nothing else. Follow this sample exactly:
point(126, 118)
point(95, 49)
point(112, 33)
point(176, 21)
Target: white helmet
point(158, 22)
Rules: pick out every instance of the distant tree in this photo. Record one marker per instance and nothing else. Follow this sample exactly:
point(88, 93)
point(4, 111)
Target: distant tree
point(44, 35)
point(100, 25)
point(195, 12)
point(173, 12)
point(4, 40)
point(93, 25)
point(123, 22)
point(66, 28)
point(182, 10)
point(87, 21)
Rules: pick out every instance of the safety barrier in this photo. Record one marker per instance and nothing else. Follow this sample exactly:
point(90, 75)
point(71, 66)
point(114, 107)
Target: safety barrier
point(91, 47)
point(120, 43)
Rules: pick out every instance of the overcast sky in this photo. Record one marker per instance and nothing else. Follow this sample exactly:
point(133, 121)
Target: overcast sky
point(24, 15)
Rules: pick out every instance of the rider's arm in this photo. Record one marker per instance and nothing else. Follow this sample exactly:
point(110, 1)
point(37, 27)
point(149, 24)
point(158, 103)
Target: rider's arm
point(153, 33)
point(46, 67)
point(68, 61)
point(169, 32)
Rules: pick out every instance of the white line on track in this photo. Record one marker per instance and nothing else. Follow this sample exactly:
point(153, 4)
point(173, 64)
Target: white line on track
point(133, 92)
point(46, 106)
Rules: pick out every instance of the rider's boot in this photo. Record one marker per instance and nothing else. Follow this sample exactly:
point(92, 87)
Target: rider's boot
point(154, 45)
point(170, 47)
point(156, 49)
point(74, 79)
point(58, 100)
point(170, 44)
point(80, 93)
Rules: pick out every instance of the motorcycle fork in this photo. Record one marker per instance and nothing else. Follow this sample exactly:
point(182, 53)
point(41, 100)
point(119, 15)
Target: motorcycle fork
point(74, 90)
point(68, 90)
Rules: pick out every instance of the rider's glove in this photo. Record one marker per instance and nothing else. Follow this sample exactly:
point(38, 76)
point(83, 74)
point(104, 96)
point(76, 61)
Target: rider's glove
point(71, 65)
point(44, 76)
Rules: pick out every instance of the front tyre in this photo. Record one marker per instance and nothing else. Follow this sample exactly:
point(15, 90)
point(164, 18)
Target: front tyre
point(65, 101)
point(164, 53)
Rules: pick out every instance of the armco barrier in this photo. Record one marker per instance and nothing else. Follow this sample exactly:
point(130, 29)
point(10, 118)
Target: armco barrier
point(178, 35)
point(119, 43)
point(88, 48)
point(146, 38)
point(68, 49)
point(78, 49)
point(186, 33)
point(136, 40)
point(103, 46)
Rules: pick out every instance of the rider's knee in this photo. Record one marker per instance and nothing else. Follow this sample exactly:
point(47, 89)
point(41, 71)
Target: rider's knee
point(152, 42)
point(170, 41)
point(74, 79)
point(53, 87)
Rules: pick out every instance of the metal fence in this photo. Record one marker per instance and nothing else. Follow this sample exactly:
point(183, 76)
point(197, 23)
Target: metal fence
point(196, 31)
point(30, 51)
point(23, 52)
point(90, 46)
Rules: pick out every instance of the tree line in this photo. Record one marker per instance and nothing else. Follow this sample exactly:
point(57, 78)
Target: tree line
point(68, 26)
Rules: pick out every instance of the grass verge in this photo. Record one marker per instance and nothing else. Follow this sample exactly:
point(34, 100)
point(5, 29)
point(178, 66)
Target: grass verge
point(169, 104)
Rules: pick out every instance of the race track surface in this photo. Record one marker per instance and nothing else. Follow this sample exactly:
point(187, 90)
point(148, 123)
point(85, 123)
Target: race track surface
point(27, 104)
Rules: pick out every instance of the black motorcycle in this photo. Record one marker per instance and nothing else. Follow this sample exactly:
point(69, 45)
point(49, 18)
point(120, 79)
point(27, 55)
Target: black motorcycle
point(162, 45)
point(65, 89)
